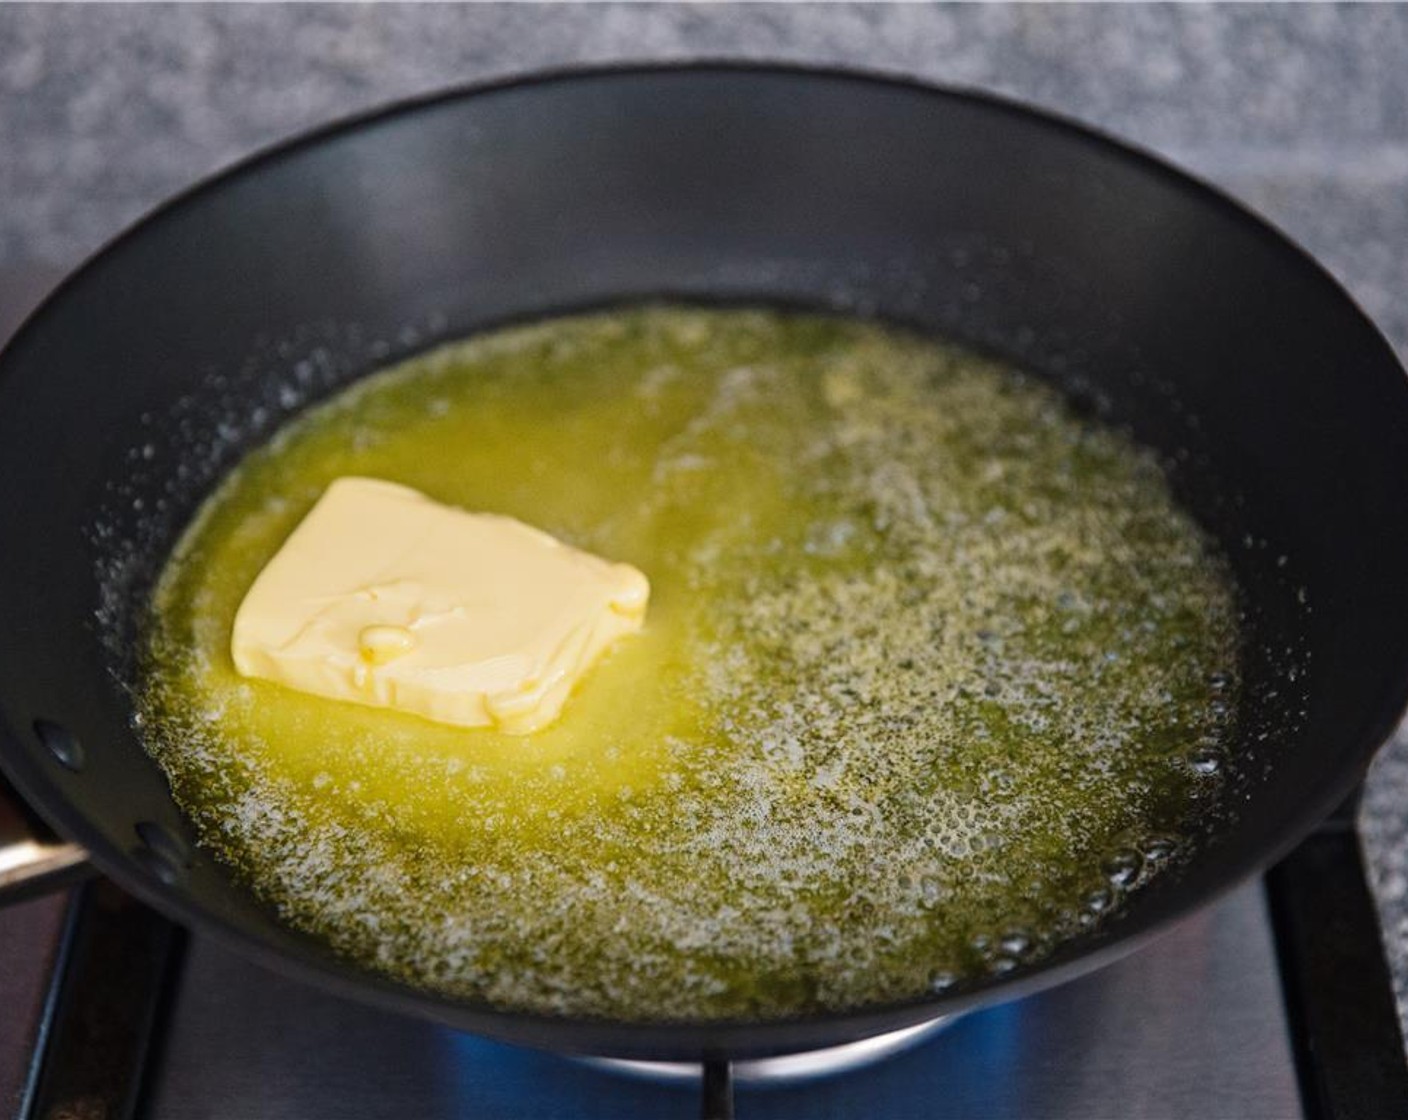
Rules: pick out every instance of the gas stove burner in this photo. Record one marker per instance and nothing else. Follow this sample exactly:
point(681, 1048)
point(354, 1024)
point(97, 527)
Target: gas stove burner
point(786, 1069)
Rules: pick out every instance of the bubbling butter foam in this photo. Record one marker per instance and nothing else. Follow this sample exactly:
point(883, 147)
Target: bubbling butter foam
point(934, 673)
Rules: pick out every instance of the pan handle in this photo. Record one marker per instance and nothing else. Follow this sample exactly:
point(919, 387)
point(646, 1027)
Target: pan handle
point(32, 859)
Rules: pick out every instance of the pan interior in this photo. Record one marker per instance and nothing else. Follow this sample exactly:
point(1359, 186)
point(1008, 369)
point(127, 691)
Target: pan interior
point(937, 675)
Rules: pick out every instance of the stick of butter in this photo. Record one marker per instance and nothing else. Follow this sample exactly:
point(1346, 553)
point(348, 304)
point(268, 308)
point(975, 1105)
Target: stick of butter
point(384, 597)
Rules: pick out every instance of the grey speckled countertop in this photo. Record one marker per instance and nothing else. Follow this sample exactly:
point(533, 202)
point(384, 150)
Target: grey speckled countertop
point(1301, 111)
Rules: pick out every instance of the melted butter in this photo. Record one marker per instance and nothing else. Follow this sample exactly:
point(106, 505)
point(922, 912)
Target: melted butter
point(932, 672)
point(383, 597)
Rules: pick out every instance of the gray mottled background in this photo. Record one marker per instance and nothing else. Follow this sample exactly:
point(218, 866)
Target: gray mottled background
point(1302, 111)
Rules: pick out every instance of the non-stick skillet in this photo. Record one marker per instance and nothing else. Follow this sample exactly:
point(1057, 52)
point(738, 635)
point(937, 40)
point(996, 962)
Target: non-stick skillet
point(1151, 299)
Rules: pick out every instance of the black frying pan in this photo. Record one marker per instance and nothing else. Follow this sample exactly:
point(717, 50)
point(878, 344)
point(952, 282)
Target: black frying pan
point(1148, 297)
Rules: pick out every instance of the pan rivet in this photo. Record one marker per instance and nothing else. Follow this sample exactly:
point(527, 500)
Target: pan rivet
point(159, 865)
point(164, 843)
point(62, 743)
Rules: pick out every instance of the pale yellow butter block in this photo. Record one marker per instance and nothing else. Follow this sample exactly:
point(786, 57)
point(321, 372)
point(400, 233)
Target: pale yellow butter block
point(382, 596)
